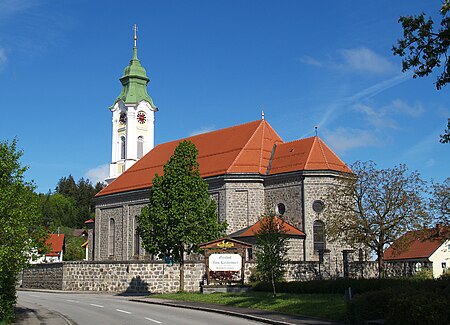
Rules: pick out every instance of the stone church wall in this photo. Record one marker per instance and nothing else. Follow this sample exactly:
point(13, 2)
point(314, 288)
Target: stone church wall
point(244, 204)
point(287, 191)
point(157, 277)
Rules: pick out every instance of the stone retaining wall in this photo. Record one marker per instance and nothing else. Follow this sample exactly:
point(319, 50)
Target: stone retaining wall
point(157, 277)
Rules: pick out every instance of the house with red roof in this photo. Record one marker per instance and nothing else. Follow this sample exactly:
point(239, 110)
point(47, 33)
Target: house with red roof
point(427, 245)
point(55, 245)
point(249, 169)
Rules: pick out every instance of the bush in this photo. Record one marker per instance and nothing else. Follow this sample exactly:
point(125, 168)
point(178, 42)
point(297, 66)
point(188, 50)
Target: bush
point(424, 274)
point(7, 296)
point(369, 306)
point(420, 302)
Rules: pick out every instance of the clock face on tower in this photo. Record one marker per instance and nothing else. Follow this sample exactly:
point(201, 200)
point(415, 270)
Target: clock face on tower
point(123, 118)
point(141, 118)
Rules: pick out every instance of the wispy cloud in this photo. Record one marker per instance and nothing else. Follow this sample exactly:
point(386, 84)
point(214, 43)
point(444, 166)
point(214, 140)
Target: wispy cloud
point(360, 96)
point(365, 60)
point(345, 139)
point(309, 60)
point(97, 174)
point(376, 117)
point(11, 7)
point(203, 129)
point(401, 107)
point(359, 60)
point(3, 58)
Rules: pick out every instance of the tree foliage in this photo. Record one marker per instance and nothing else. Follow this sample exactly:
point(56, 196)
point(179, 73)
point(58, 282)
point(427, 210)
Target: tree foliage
point(71, 204)
point(271, 250)
point(375, 207)
point(20, 232)
point(440, 201)
point(425, 48)
point(180, 214)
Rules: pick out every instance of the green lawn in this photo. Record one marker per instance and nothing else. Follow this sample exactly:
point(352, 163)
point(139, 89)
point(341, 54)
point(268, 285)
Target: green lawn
point(327, 306)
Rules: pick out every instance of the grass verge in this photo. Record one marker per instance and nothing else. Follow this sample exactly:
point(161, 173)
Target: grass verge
point(327, 306)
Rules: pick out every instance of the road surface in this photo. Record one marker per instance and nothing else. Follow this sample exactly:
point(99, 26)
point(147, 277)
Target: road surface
point(77, 308)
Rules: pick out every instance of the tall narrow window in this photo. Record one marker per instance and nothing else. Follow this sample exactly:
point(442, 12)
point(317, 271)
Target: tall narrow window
point(122, 147)
point(137, 241)
point(319, 235)
point(111, 237)
point(140, 147)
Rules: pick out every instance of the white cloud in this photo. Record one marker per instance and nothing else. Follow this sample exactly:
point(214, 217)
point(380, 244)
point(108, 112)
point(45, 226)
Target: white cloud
point(376, 117)
point(309, 60)
point(97, 174)
point(399, 106)
point(203, 129)
point(365, 60)
point(345, 139)
point(3, 58)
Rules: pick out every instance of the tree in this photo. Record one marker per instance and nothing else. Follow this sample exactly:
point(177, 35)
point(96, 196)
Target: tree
point(271, 250)
point(20, 232)
point(375, 207)
point(58, 210)
point(180, 214)
point(82, 194)
point(440, 201)
point(425, 48)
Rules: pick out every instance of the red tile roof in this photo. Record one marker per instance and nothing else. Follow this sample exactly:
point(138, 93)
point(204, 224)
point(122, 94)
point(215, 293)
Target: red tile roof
point(55, 243)
point(245, 148)
point(290, 230)
point(306, 154)
point(419, 244)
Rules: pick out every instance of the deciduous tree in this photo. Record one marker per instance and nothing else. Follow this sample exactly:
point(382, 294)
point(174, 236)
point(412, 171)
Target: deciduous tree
point(271, 250)
point(180, 214)
point(20, 233)
point(425, 48)
point(375, 207)
point(440, 201)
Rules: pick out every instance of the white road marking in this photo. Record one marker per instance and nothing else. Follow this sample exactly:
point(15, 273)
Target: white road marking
point(70, 300)
point(152, 320)
point(123, 311)
point(95, 305)
point(34, 296)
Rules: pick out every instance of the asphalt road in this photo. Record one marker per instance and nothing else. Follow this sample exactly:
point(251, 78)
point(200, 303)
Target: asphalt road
point(107, 309)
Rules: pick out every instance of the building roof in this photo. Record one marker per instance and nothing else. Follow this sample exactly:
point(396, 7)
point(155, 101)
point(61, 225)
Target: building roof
point(306, 154)
point(254, 147)
point(250, 231)
point(419, 244)
point(55, 243)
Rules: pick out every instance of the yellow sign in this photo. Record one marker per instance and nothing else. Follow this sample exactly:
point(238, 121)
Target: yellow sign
point(224, 244)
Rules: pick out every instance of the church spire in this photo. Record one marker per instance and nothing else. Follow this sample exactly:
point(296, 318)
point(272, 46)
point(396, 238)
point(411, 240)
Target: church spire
point(134, 80)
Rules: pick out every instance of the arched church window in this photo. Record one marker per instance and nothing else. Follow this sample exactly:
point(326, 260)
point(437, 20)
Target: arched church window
point(319, 235)
point(140, 147)
point(123, 145)
point(111, 237)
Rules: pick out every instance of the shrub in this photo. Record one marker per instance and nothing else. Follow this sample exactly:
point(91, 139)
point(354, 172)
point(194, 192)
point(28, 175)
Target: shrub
point(424, 274)
point(369, 306)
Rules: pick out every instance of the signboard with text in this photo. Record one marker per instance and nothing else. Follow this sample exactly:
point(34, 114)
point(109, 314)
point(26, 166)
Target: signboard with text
point(225, 262)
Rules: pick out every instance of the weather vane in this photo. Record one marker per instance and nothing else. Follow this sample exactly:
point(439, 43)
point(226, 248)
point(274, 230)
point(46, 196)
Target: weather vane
point(135, 29)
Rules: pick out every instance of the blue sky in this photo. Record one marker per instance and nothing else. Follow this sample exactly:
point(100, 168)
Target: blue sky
point(215, 64)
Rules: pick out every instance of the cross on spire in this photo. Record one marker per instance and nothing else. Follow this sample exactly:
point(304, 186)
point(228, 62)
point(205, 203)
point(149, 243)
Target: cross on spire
point(135, 29)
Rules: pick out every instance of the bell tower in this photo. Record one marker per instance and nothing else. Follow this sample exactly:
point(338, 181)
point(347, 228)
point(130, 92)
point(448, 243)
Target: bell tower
point(133, 118)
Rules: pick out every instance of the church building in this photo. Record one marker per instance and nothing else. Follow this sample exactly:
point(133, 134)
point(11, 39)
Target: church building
point(250, 171)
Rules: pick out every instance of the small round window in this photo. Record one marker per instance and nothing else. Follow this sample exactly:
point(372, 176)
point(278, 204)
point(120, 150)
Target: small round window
point(281, 209)
point(318, 206)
